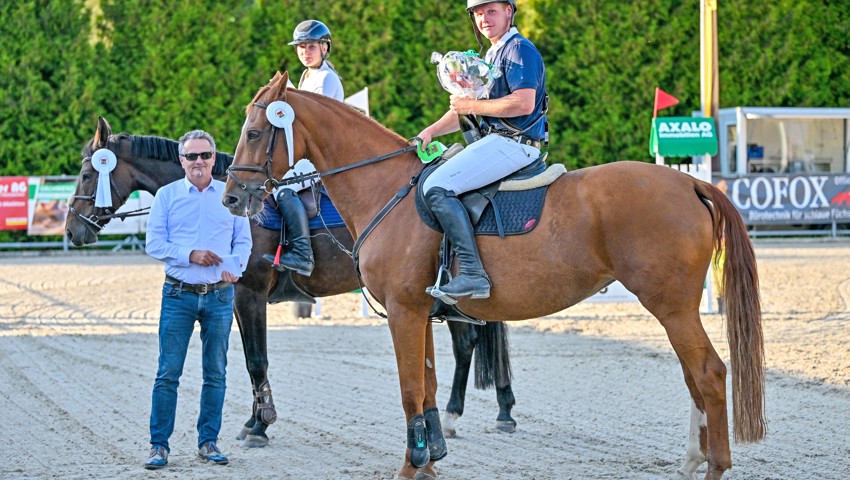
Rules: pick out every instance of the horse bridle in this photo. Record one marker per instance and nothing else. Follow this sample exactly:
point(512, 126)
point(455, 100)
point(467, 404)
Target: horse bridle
point(270, 183)
point(266, 169)
point(91, 221)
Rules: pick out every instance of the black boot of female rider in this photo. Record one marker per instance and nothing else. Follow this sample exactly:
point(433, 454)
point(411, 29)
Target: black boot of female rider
point(471, 280)
point(297, 229)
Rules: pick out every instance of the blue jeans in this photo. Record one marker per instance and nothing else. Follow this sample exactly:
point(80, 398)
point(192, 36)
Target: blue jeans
point(180, 310)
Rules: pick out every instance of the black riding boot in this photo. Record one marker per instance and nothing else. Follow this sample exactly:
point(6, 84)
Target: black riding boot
point(300, 257)
point(471, 279)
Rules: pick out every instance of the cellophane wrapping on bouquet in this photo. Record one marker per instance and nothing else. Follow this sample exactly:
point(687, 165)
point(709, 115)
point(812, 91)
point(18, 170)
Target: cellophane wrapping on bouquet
point(465, 73)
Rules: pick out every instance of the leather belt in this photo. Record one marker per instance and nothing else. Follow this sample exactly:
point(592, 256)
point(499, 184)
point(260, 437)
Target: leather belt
point(198, 288)
point(527, 141)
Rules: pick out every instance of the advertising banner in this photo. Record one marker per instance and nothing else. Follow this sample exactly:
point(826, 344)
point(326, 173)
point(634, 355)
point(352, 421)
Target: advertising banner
point(14, 198)
point(682, 137)
point(790, 199)
point(48, 205)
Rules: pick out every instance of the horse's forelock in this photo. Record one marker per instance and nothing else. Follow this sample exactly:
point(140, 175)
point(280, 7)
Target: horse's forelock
point(88, 150)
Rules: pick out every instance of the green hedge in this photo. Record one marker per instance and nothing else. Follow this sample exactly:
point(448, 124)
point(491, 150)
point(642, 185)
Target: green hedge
point(162, 68)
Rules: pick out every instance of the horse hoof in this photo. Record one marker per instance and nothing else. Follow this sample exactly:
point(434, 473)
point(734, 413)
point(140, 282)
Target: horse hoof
point(255, 441)
point(507, 426)
point(680, 475)
point(420, 475)
point(243, 433)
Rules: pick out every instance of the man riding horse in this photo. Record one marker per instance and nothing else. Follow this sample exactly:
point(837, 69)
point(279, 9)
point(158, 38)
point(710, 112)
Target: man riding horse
point(514, 118)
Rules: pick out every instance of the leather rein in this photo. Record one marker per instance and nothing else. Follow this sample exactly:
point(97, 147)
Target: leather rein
point(266, 169)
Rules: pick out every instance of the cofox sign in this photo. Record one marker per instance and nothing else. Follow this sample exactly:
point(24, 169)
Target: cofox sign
point(783, 199)
point(776, 192)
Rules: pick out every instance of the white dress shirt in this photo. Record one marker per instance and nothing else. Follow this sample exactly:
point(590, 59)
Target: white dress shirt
point(183, 219)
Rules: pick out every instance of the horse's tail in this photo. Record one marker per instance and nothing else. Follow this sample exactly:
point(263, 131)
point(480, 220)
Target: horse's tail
point(492, 362)
point(739, 289)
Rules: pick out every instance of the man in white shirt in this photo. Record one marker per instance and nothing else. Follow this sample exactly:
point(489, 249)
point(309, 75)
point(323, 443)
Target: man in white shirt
point(191, 231)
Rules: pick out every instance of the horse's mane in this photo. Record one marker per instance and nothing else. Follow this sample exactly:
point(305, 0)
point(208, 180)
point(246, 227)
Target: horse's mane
point(165, 149)
point(326, 101)
point(342, 107)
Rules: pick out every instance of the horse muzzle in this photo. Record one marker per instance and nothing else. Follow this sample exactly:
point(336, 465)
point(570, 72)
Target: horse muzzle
point(79, 233)
point(244, 202)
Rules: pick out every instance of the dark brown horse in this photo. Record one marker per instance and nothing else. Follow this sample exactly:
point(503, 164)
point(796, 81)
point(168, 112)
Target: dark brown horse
point(147, 163)
point(652, 228)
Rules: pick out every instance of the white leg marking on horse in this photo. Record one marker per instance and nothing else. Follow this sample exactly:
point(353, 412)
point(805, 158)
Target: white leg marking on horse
point(695, 457)
point(448, 424)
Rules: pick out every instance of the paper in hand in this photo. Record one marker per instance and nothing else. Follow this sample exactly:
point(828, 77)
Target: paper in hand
point(229, 263)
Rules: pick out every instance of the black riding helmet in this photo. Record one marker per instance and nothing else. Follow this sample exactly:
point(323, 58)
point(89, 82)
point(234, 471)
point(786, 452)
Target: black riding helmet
point(311, 31)
point(470, 4)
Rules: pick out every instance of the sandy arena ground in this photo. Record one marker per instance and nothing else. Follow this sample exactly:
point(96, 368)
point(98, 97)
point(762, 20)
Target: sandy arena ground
point(599, 391)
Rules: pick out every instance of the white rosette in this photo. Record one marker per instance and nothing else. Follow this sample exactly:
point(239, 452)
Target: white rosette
point(103, 161)
point(281, 115)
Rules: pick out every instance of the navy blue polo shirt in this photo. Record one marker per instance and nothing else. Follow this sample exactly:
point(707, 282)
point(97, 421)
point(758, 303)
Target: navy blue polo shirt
point(522, 67)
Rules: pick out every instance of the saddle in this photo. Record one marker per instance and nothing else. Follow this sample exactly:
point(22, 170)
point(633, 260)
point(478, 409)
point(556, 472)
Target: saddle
point(514, 202)
point(322, 214)
point(320, 210)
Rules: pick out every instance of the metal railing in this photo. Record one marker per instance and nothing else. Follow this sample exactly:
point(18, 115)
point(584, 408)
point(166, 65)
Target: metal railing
point(132, 242)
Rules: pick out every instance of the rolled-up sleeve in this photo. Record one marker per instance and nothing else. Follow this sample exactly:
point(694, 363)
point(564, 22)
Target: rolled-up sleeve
point(242, 241)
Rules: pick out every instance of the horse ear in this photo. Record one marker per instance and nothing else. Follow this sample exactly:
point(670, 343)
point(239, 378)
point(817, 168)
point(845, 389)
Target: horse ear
point(279, 88)
point(101, 135)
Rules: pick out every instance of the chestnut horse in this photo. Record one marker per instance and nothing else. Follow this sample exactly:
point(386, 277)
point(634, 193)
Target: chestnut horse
point(652, 228)
point(148, 163)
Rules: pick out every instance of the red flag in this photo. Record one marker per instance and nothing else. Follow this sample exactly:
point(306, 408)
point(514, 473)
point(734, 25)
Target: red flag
point(662, 101)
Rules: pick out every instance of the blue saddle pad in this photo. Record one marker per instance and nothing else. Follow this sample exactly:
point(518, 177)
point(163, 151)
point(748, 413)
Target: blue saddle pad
point(520, 212)
point(328, 215)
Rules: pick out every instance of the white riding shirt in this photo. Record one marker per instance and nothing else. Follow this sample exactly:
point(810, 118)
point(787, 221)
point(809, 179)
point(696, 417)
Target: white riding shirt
point(324, 81)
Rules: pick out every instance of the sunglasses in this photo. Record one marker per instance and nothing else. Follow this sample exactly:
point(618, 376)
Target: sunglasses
point(194, 156)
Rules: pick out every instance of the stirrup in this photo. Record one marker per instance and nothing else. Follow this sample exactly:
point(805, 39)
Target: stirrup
point(275, 259)
point(472, 291)
point(434, 290)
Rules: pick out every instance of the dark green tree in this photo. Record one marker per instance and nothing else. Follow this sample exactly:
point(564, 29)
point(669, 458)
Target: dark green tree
point(45, 87)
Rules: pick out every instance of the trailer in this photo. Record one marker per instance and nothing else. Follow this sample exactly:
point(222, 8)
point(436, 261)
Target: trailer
point(787, 170)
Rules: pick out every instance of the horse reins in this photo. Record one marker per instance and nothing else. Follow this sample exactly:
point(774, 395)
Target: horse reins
point(266, 169)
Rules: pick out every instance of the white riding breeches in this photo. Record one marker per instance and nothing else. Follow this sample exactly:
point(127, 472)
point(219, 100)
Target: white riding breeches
point(302, 167)
point(481, 163)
